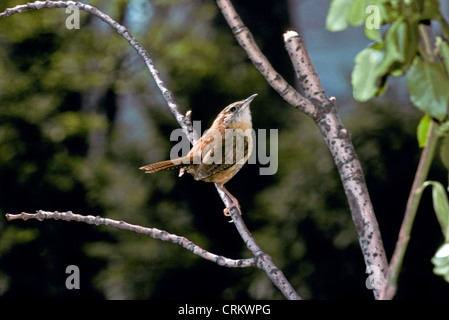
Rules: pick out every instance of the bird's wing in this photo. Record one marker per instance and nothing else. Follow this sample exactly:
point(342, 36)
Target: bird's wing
point(222, 155)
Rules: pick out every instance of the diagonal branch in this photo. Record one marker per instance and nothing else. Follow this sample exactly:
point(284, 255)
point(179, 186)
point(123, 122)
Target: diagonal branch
point(425, 161)
point(414, 199)
point(338, 139)
point(263, 260)
point(152, 232)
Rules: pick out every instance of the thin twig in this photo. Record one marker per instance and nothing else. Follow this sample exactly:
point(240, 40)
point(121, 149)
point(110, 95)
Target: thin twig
point(338, 139)
point(389, 290)
point(152, 232)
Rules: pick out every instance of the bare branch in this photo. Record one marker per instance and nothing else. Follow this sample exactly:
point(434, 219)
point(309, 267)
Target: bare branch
point(305, 71)
point(338, 140)
point(152, 232)
point(263, 260)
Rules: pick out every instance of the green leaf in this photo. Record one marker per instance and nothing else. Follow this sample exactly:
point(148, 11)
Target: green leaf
point(443, 52)
point(336, 17)
point(400, 44)
point(430, 10)
point(373, 34)
point(428, 86)
point(364, 78)
point(444, 151)
point(441, 261)
point(444, 26)
point(440, 205)
point(443, 129)
point(422, 131)
point(356, 14)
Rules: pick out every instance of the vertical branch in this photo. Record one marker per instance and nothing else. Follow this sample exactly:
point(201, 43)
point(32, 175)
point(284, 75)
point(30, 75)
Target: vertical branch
point(338, 140)
point(304, 69)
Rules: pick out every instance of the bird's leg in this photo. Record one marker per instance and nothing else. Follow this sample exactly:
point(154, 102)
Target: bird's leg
point(234, 201)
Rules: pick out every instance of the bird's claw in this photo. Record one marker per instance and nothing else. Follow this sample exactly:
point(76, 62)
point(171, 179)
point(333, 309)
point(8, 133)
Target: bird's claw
point(227, 209)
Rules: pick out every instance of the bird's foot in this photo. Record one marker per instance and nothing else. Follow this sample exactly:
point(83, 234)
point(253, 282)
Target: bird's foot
point(232, 206)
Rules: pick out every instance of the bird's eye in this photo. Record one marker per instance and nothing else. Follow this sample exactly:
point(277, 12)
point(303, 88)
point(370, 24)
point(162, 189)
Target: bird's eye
point(232, 109)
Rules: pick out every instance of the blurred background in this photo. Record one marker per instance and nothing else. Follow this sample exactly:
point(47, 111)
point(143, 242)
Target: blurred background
point(80, 113)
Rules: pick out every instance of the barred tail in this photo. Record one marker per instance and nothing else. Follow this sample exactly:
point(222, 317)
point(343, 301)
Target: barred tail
point(163, 165)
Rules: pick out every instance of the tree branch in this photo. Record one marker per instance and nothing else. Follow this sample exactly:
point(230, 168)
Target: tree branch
point(262, 260)
point(389, 290)
point(305, 71)
point(338, 140)
point(152, 232)
point(323, 111)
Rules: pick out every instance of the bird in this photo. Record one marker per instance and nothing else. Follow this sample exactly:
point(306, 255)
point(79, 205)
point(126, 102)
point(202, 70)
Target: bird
point(220, 152)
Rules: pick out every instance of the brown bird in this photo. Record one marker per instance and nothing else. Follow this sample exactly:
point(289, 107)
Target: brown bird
point(220, 152)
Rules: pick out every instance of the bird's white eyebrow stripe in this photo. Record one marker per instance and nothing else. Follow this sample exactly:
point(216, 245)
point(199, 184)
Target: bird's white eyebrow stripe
point(234, 105)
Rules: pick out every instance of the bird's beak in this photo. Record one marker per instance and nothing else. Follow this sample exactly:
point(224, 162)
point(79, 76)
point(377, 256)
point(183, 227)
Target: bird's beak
point(248, 101)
